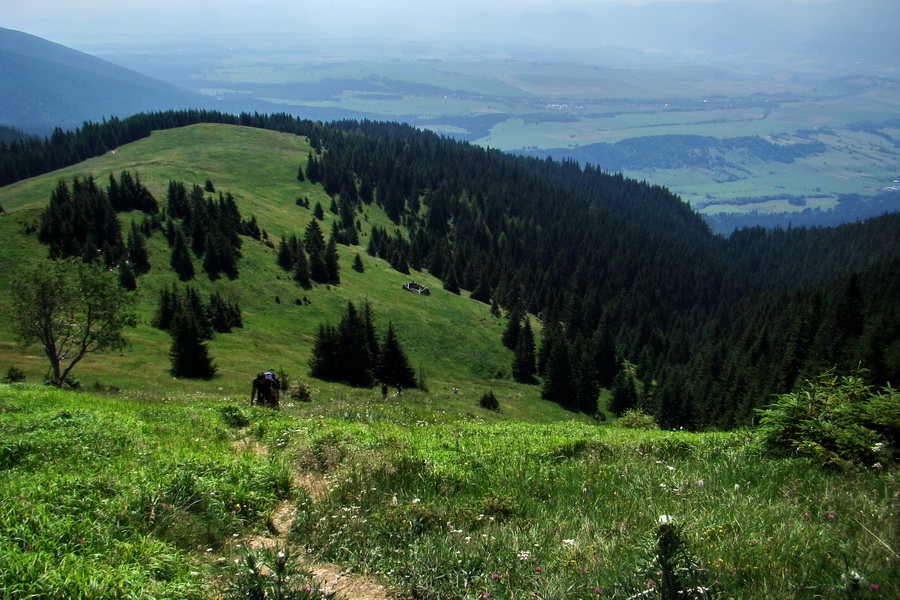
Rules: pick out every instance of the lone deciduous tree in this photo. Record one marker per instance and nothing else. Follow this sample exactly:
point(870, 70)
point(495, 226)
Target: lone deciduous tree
point(71, 309)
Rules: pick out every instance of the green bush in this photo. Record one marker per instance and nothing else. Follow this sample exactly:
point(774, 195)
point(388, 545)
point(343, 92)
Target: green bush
point(636, 419)
point(489, 401)
point(836, 420)
point(233, 416)
point(14, 374)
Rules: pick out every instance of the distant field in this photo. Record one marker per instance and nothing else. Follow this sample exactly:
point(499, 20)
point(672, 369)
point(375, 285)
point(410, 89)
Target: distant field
point(549, 107)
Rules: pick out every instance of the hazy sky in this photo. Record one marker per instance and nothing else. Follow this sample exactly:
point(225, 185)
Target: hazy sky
point(99, 20)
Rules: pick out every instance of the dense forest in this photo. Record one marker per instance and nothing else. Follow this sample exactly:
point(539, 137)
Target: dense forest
point(632, 289)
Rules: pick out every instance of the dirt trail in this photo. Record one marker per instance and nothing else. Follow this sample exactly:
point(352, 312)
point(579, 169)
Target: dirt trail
point(330, 577)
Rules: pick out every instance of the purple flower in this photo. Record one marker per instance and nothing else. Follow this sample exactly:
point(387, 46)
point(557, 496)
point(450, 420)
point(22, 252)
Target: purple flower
point(538, 569)
point(874, 587)
point(495, 576)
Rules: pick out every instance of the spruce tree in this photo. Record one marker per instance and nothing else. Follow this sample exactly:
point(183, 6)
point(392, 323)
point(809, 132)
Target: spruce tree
point(126, 277)
point(189, 354)
point(137, 250)
point(523, 367)
point(301, 269)
point(510, 336)
point(394, 366)
point(558, 384)
point(624, 394)
point(451, 282)
point(181, 260)
point(332, 265)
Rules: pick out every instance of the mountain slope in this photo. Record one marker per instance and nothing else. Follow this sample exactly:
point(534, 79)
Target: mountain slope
point(46, 85)
point(618, 272)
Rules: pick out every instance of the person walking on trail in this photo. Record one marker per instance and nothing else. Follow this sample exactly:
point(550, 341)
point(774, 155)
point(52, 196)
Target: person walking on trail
point(265, 390)
point(384, 391)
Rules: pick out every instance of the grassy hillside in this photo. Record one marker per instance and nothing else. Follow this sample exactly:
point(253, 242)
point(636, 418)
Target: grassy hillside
point(453, 340)
point(167, 488)
point(124, 496)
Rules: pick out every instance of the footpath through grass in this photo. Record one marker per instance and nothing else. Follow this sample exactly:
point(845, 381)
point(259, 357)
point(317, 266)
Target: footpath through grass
point(117, 496)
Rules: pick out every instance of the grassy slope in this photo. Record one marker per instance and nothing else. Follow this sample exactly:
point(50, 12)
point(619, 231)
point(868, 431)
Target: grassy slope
point(454, 340)
point(108, 497)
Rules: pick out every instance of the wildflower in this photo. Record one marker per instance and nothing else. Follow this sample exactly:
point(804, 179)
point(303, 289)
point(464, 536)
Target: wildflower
point(486, 595)
point(666, 520)
point(598, 590)
point(806, 515)
point(737, 488)
point(495, 576)
point(538, 569)
point(874, 587)
point(701, 483)
point(568, 542)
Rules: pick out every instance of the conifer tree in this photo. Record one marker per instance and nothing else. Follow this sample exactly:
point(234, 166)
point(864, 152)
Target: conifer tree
point(332, 265)
point(510, 336)
point(301, 269)
point(137, 250)
point(394, 366)
point(523, 367)
point(451, 282)
point(189, 354)
point(558, 384)
point(181, 260)
point(126, 277)
point(624, 394)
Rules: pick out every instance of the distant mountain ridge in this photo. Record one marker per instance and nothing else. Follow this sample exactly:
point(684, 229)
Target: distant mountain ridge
point(46, 85)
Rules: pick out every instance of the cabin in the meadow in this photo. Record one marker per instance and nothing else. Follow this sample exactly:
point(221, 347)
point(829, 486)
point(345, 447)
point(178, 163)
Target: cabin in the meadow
point(416, 288)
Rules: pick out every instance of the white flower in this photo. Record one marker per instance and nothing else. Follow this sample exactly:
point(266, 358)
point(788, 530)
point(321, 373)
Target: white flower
point(666, 520)
point(568, 542)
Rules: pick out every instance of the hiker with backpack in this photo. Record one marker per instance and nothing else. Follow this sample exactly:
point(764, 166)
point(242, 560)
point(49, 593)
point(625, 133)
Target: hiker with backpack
point(265, 391)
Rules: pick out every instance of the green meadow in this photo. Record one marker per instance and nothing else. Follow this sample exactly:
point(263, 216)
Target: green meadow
point(131, 496)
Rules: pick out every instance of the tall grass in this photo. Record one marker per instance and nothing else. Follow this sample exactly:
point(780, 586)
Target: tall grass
point(117, 496)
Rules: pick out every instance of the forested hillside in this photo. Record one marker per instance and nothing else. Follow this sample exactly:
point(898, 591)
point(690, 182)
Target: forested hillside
point(632, 290)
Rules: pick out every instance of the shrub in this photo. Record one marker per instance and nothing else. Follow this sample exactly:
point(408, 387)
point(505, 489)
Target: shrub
point(635, 418)
point(489, 401)
point(836, 420)
point(233, 416)
point(14, 375)
point(273, 575)
point(301, 393)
